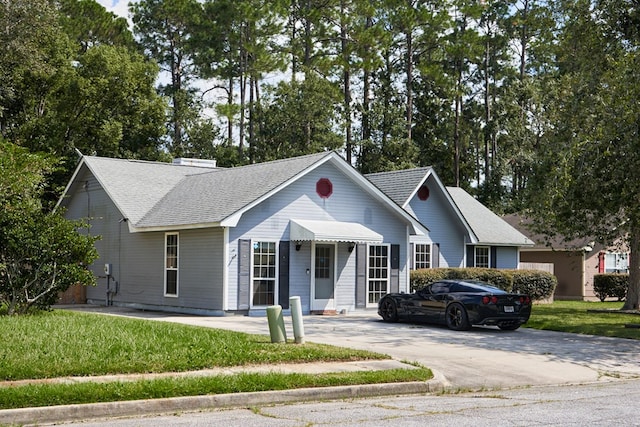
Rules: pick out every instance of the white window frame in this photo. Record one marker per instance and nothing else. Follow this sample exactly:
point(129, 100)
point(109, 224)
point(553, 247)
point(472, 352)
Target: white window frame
point(274, 279)
point(427, 261)
point(167, 268)
point(370, 279)
point(475, 256)
point(620, 262)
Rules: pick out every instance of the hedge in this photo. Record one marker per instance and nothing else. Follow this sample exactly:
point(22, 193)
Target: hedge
point(611, 285)
point(539, 285)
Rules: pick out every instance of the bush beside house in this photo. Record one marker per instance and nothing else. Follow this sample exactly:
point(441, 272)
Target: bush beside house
point(611, 285)
point(539, 285)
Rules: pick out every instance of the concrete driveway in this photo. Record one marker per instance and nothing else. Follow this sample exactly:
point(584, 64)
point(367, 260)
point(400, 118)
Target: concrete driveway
point(476, 359)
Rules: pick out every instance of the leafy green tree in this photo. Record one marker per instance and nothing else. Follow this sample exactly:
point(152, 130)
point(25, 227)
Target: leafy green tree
point(41, 253)
point(89, 24)
point(299, 119)
point(110, 107)
point(164, 29)
point(588, 181)
point(34, 59)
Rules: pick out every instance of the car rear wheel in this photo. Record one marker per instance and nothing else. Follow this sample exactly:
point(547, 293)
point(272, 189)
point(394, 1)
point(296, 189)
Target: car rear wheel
point(388, 310)
point(457, 318)
point(511, 326)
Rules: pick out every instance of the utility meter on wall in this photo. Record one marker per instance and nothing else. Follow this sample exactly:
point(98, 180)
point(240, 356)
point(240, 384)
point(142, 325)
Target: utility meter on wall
point(107, 269)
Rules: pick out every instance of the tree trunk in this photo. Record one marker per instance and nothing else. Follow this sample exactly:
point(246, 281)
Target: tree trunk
point(230, 120)
point(346, 77)
point(366, 89)
point(252, 117)
point(633, 294)
point(409, 86)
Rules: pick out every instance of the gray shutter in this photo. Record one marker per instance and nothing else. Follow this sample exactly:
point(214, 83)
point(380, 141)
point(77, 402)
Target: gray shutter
point(494, 257)
point(283, 274)
point(395, 269)
point(244, 273)
point(361, 275)
point(471, 259)
point(435, 255)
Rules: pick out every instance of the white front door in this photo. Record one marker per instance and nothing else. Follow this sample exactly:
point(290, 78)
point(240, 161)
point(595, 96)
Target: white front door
point(323, 283)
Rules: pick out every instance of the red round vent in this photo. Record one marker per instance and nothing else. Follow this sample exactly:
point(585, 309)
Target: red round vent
point(423, 193)
point(324, 188)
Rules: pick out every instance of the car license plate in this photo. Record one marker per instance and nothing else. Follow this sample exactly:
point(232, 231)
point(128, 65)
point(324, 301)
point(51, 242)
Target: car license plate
point(508, 309)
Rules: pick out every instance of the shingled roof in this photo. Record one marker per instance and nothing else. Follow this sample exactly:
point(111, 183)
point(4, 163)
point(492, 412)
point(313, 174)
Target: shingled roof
point(486, 227)
point(154, 195)
point(399, 185)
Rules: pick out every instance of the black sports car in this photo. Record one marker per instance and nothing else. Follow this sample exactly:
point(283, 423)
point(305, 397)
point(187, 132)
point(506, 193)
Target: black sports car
point(459, 304)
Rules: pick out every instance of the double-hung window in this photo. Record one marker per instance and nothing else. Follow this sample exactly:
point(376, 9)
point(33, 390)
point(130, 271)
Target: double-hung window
point(482, 256)
point(422, 255)
point(377, 273)
point(171, 264)
point(264, 273)
point(616, 263)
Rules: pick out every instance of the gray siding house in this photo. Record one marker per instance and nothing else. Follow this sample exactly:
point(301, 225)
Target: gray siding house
point(205, 240)
point(463, 232)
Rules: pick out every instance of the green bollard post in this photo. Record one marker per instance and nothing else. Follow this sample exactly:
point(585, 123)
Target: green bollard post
point(296, 318)
point(276, 324)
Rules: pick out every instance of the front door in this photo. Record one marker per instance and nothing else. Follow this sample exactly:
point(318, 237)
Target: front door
point(323, 285)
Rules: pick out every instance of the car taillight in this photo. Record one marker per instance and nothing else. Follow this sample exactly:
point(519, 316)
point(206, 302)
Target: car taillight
point(489, 299)
point(525, 300)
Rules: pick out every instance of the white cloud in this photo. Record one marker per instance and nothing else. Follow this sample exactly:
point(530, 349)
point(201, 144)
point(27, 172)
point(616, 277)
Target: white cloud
point(119, 7)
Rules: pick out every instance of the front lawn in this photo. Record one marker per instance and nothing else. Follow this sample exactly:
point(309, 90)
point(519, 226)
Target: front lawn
point(65, 343)
point(578, 317)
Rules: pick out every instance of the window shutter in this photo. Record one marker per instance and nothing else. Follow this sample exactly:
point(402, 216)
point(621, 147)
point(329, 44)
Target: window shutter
point(471, 258)
point(283, 274)
point(435, 255)
point(395, 269)
point(601, 262)
point(494, 257)
point(244, 273)
point(361, 275)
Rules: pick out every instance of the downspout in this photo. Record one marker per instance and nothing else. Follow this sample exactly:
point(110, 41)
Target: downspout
point(225, 269)
point(407, 268)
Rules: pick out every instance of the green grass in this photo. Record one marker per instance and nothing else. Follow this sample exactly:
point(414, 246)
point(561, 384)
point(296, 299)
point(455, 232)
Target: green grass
point(62, 343)
point(65, 394)
point(575, 317)
point(66, 343)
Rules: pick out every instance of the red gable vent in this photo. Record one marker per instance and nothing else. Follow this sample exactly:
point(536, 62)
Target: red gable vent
point(324, 188)
point(423, 193)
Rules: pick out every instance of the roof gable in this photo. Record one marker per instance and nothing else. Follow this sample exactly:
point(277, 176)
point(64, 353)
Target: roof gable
point(400, 185)
point(482, 225)
point(134, 186)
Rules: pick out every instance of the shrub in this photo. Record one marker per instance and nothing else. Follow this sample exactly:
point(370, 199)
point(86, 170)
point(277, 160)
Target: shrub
point(611, 285)
point(537, 284)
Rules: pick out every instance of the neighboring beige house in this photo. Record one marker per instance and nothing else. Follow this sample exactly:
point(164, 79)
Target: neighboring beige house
point(574, 263)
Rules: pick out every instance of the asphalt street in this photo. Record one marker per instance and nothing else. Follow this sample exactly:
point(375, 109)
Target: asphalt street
point(601, 404)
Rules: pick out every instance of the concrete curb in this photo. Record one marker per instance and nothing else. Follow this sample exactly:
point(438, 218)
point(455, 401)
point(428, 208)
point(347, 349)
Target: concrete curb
point(67, 413)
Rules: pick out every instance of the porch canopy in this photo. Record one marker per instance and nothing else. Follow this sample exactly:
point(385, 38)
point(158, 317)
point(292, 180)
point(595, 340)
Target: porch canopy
point(331, 231)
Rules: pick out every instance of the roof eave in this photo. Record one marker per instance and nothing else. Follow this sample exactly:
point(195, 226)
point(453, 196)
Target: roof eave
point(175, 227)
